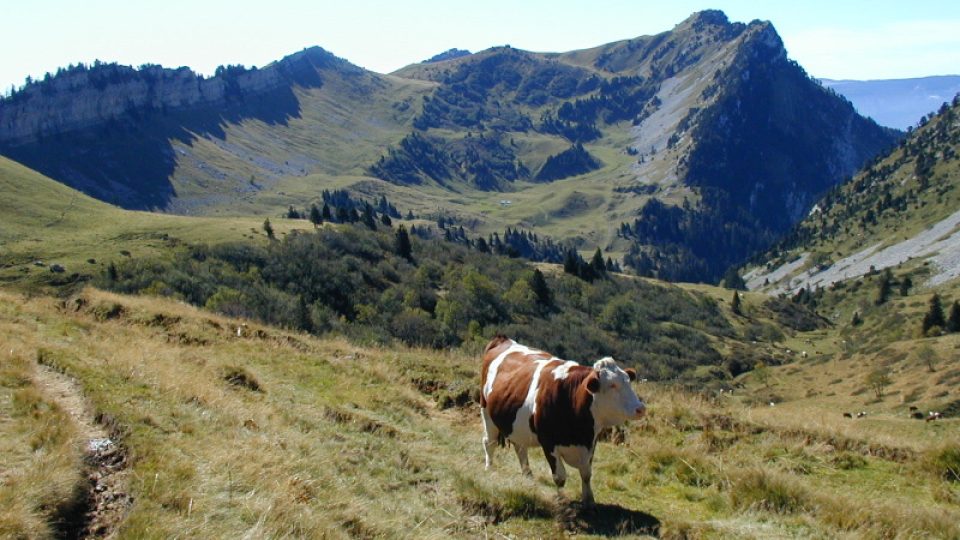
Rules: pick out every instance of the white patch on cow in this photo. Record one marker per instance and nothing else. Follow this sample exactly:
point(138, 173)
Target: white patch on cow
point(561, 372)
point(580, 458)
point(522, 434)
point(495, 365)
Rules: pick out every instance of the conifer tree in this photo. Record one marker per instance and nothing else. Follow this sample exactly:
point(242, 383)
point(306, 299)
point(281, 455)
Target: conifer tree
point(402, 245)
point(597, 265)
point(953, 321)
point(571, 262)
point(325, 214)
point(268, 228)
point(735, 303)
point(368, 218)
point(315, 216)
point(934, 316)
point(905, 284)
point(886, 286)
point(540, 288)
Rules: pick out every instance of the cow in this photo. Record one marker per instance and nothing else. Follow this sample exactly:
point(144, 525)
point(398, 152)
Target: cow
point(532, 398)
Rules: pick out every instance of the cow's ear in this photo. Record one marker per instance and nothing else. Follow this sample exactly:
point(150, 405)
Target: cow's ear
point(593, 382)
point(632, 373)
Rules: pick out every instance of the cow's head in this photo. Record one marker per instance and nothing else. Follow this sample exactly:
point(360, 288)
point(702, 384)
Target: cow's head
point(614, 400)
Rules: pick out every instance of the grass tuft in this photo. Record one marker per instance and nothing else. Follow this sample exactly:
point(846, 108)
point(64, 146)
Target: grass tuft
point(241, 378)
point(944, 461)
point(497, 505)
point(758, 489)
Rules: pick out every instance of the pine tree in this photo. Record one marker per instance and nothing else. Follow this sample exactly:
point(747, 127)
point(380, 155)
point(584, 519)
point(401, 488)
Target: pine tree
point(325, 214)
point(732, 280)
point(571, 262)
point(934, 316)
point(402, 246)
point(540, 288)
point(315, 217)
point(953, 322)
point(905, 284)
point(735, 303)
point(597, 265)
point(368, 218)
point(268, 228)
point(385, 220)
point(886, 286)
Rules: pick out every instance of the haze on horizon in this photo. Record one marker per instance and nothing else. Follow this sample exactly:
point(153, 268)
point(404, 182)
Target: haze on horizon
point(838, 40)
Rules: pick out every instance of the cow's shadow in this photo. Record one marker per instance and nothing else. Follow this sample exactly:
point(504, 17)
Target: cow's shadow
point(606, 520)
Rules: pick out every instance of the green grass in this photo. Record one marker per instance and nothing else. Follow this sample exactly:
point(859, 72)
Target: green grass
point(42, 220)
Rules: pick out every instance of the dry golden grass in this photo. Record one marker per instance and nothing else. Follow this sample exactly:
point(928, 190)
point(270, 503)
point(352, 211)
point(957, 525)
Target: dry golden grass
point(277, 434)
point(40, 475)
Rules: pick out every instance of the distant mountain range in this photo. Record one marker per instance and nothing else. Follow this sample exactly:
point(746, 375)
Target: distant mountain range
point(679, 153)
point(897, 103)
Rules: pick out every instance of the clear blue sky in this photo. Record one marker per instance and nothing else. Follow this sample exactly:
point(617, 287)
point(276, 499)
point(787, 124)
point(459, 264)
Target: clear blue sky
point(834, 39)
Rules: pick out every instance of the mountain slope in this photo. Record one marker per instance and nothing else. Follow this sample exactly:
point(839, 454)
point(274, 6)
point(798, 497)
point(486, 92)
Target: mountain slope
point(45, 224)
point(680, 153)
point(897, 103)
point(169, 139)
point(900, 210)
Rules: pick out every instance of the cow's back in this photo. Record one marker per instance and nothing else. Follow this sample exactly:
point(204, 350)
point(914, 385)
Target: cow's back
point(507, 373)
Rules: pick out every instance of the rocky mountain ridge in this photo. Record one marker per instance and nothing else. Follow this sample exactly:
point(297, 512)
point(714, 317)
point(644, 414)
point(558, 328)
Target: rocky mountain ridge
point(83, 96)
point(693, 148)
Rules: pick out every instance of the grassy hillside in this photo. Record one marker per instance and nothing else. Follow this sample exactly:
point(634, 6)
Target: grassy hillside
point(43, 220)
point(276, 434)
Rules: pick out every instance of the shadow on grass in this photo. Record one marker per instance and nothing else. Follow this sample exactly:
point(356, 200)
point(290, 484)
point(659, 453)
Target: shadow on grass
point(605, 520)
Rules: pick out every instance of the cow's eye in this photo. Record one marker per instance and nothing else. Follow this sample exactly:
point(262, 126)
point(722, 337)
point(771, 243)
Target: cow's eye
point(613, 385)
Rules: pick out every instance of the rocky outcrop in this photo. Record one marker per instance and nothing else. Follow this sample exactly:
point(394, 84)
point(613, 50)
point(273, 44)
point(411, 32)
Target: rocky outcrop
point(84, 97)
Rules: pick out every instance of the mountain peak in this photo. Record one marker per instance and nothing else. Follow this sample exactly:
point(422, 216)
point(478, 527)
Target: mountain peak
point(449, 54)
point(711, 17)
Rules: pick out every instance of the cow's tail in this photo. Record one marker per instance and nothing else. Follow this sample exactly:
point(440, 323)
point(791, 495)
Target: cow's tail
point(501, 440)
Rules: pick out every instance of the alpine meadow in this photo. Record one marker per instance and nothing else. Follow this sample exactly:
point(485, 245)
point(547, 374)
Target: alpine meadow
point(278, 302)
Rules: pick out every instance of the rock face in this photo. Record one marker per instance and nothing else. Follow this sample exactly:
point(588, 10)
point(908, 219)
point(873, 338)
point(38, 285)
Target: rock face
point(89, 96)
point(108, 129)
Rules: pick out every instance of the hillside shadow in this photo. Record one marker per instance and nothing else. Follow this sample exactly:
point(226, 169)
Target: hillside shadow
point(130, 160)
point(606, 520)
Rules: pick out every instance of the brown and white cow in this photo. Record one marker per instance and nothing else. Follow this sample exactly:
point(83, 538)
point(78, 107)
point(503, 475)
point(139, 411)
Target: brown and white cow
point(532, 398)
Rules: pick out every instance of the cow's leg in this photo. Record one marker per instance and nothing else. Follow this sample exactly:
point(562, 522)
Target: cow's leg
point(584, 464)
point(522, 456)
point(556, 466)
point(490, 436)
point(581, 458)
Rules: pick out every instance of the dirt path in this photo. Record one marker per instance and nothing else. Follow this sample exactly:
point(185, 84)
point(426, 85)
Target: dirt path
point(105, 460)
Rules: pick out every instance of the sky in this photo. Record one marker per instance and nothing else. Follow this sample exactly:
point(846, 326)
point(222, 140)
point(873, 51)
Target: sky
point(837, 39)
